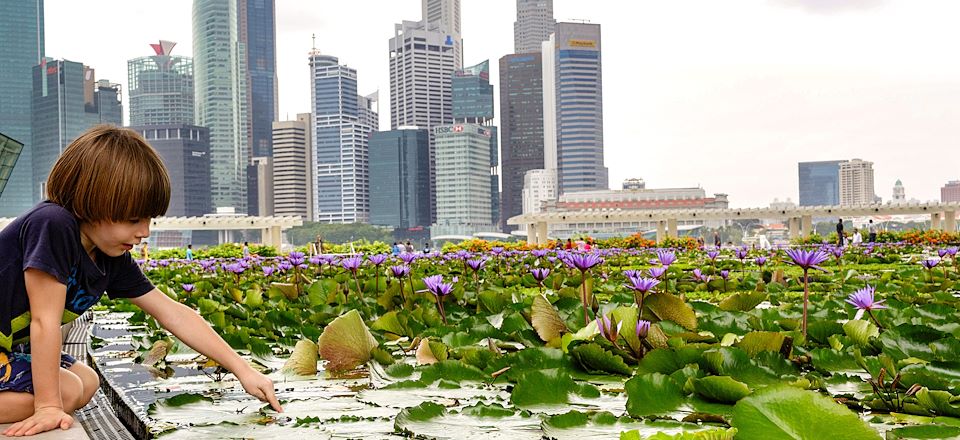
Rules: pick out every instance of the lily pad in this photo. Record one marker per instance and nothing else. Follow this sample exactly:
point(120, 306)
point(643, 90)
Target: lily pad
point(755, 342)
point(545, 319)
point(861, 331)
point(652, 394)
point(722, 389)
point(783, 412)
point(303, 361)
point(346, 342)
point(668, 307)
point(743, 301)
point(595, 359)
point(542, 388)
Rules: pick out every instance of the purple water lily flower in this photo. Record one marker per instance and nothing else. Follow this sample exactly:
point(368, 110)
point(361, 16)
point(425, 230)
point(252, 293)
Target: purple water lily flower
point(315, 260)
point(584, 262)
point(929, 263)
point(408, 257)
point(496, 251)
point(540, 274)
point(698, 275)
point(952, 250)
point(236, 268)
point(632, 273)
point(609, 329)
point(807, 259)
point(377, 259)
point(284, 266)
point(863, 299)
point(164, 263)
point(296, 258)
point(642, 285)
point(760, 261)
point(436, 286)
point(400, 271)
point(187, 287)
point(657, 272)
point(725, 274)
point(268, 270)
point(477, 264)
point(352, 263)
point(713, 254)
point(943, 252)
point(741, 253)
point(643, 328)
point(666, 257)
point(539, 253)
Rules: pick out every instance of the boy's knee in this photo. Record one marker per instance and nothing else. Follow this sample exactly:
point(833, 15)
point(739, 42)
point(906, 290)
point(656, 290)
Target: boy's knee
point(89, 379)
point(71, 391)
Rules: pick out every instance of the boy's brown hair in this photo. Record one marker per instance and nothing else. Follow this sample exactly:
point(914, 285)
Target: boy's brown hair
point(110, 174)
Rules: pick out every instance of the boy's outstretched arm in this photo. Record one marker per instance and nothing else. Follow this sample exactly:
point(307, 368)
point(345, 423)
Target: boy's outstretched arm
point(190, 328)
point(47, 297)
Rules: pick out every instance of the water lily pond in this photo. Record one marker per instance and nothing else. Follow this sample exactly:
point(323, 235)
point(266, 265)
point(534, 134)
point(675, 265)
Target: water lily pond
point(802, 343)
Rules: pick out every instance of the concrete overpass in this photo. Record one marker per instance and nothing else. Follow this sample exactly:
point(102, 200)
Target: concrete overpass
point(799, 219)
point(270, 227)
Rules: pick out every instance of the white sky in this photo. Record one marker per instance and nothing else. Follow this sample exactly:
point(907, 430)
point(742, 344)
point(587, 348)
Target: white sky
point(727, 95)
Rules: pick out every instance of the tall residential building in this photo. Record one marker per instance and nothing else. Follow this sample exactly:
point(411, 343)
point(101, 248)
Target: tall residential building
point(819, 183)
point(221, 98)
point(539, 187)
point(399, 179)
point(185, 150)
point(422, 61)
point(444, 16)
point(260, 186)
point(534, 25)
point(257, 34)
point(67, 100)
point(950, 192)
point(292, 181)
point(21, 48)
point(473, 103)
point(521, 127)
point(856, 183)
point(161, 87)
point(340, 142)
point(573, 107)
point(463, 180)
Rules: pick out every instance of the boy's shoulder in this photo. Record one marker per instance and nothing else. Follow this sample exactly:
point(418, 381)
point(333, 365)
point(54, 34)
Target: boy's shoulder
point(49, 212)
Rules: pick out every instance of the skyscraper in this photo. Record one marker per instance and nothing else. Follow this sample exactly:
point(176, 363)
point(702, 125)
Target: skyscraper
point(21, 48)
point(473, 103)
point(67, 100)
point(257, 33)
point(9, 154)
point(161, 87)
point(573, 107)
point(534, 25)
point(819, 183)
point(521, 127)
point(856, 183)
point(185, 150)
point(341, 135)
point(463, 180)
point(221, 98)
point(399, 179)
point(292, 181)
point(444, 15)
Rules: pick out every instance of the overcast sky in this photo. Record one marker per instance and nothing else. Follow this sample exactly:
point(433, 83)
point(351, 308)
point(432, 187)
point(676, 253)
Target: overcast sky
point(727, 95)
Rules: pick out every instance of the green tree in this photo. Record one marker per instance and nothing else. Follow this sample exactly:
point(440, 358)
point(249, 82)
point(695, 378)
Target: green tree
point(337, 233)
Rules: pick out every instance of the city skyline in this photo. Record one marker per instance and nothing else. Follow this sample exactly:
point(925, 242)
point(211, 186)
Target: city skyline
point(769, 83)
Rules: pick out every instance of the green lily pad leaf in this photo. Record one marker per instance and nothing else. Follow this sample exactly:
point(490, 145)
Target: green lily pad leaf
point(924, 432)
point(389, 323)
point(545, 319)
point(652, 394)
point(668, 360)
point(821, 330)
point(668, 307)
point(487, 410)
point(784, 412)
point(430, 352)
point(947, 349)
point(399, 370)
point(755, 342)
point(303, 361)
point(346, 342)
point(542, 388)
point(286, 290)
point(178, 400)
point(939, 402)
point(420, 413)
point(721, 389)
point(743, 301)
point(452, 370)
point(861, 331)
point(595, 359)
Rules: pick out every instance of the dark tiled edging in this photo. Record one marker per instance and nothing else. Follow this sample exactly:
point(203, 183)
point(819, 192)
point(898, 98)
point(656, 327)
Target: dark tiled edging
point(98, 418)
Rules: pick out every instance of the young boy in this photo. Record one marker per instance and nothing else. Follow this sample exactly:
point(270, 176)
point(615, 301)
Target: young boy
point(56, 261)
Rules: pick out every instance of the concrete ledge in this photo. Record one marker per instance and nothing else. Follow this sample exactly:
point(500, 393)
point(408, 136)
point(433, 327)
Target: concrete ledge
point(75, 432)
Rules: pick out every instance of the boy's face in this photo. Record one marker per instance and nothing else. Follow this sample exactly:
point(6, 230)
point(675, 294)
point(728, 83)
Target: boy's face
point(116, 238)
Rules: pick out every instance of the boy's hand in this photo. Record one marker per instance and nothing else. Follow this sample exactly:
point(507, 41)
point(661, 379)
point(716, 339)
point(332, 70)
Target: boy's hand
point(261, 387)
point(42, 420)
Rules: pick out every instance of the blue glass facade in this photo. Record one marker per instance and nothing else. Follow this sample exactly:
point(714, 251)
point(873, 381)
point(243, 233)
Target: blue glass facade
point(400, 179)
point(521, 127)
point(472, 94)
point(259, 37)
point(21, 48)
point(819, 183)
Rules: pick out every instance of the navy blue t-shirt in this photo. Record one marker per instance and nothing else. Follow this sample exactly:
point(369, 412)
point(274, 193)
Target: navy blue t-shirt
point(47, 238)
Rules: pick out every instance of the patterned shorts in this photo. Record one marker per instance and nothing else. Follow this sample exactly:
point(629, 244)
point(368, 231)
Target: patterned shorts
point(15, 368)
